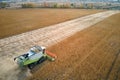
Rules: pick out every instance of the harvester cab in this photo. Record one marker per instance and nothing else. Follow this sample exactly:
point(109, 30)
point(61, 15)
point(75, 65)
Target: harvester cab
point(34, 56)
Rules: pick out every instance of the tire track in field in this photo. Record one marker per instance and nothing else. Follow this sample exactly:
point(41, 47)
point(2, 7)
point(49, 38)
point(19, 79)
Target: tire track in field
point(19, 44)
point(113, 63)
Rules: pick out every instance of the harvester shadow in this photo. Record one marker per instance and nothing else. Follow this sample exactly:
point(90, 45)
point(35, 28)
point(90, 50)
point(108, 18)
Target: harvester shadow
point(38, 66)
point(25, 72)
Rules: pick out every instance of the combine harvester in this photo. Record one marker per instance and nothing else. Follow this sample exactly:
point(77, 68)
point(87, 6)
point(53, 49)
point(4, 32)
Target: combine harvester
point(34, 56)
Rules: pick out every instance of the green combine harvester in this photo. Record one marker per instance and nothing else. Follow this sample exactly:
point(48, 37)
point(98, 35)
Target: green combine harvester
point(34, 56)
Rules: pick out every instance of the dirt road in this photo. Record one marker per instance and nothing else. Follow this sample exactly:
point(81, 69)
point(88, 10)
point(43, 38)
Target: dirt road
point(19, 44)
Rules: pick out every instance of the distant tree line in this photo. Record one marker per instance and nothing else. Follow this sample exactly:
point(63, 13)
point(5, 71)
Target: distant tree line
point(45, 5)
point(28, 5)
point(3, 4)
point(57, 5)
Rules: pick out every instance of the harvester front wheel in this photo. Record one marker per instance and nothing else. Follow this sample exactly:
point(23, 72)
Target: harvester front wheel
point(41, 60)
point(31, 66)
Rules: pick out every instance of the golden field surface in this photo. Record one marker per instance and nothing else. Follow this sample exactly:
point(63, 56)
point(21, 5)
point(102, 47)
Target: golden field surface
point(16, 21)
point(91, 54)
